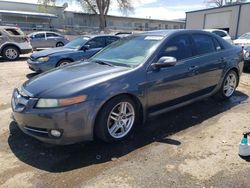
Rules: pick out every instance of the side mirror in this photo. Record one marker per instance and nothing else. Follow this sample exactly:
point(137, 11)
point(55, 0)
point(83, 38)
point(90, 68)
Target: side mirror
point(165, 61)
point(86, 47)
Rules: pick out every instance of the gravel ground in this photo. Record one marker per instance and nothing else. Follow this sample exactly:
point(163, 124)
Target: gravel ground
point(195, 146)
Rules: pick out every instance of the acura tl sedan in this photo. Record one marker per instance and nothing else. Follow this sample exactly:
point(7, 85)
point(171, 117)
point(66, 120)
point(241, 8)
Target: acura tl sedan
point(81, 48)
point(134, 78)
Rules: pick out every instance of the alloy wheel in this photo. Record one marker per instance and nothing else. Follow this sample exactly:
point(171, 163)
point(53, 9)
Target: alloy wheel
point(11, 53)
point(121, 120)
point(230, 84)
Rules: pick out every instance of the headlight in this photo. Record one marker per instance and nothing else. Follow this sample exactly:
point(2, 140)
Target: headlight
point(43, 59)
point(52, 103)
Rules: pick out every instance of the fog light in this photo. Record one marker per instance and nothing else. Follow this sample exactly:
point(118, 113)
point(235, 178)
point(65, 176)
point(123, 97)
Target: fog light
point(55, 133)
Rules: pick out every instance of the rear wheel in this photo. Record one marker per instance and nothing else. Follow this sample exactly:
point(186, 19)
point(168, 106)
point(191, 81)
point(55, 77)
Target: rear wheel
point(11, 53)
point(116, 119)
point(63, 62)
point(59, 44)
point(229, 85)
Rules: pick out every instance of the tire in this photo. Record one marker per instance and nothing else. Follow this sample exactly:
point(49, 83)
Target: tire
point(63, 62)
point(112, 125)
point(59, 44)
point(11, 53)
point(228, 86)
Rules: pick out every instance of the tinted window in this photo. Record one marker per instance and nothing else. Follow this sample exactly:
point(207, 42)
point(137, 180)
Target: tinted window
point(219, 33)
point(97, 42)
point(204, 44)
point(39, 36)
point(52, 35)
point(109, 40)
point(179, 47)
point(217, 45)
point(12, 31)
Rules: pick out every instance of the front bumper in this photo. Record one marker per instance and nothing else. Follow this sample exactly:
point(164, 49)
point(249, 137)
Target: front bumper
point(40, 67)
point(75, 122)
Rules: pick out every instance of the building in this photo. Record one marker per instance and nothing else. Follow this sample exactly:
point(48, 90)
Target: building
point(35, 17)
point(232, 18)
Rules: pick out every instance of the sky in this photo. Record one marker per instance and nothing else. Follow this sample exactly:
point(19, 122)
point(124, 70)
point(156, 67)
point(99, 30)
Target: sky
point(155, 9)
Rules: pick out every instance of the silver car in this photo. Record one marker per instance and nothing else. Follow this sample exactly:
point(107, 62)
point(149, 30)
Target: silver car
point(47, 39)
point(13, 42)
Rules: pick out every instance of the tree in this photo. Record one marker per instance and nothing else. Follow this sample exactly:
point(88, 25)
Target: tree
point(98, 7)
point(220, 3)
point(101, 8)
point(44, 4)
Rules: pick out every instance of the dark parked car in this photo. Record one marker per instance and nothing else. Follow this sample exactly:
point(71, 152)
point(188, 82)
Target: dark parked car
point(134, 78)
point(81, 48)
point(47, 39)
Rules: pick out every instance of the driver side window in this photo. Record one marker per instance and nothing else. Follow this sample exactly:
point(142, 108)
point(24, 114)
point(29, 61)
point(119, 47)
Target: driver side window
point(179, 47)
point(98, 42)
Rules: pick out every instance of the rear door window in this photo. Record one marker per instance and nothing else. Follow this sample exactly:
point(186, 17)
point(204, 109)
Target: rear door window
point(179, 47)
point(49, 35)
point(204, 44)
point(218, 46)
point(12, 31)
point(39, 36)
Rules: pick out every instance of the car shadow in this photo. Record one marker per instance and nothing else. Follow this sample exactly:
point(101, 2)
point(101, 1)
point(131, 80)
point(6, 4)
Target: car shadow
point(22, 58)
point(65, 158)
point(31, 75)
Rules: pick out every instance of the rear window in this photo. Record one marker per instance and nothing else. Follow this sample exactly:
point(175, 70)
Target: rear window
point(220, 33)
point(204, 44)
point(12, 31)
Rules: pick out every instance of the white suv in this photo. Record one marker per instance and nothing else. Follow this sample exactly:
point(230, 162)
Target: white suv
point(13, 42)
point(223, 34)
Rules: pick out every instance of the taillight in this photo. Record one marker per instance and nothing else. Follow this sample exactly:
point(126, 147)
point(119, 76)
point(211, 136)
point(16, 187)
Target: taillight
point(26, 39)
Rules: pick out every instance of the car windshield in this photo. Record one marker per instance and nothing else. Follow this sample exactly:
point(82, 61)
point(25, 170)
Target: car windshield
point(77, 43)
point(129, 51)
point(245, 36)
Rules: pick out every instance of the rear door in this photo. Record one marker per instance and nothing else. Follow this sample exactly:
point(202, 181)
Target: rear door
point(52, 39)
point(209, 52)
point(173, 85)
point(38, 40)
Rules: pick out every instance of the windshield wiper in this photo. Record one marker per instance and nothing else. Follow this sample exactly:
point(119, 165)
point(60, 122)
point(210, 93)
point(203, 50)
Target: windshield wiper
point(103, 63)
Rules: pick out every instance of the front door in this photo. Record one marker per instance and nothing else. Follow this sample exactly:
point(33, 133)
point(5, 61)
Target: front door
point(172, 85)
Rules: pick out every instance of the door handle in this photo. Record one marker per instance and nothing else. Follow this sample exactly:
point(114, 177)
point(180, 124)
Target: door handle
point(193, 68)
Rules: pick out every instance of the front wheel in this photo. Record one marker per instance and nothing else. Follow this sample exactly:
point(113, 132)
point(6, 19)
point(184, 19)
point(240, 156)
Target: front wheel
point(116, 119)
point(229, 85)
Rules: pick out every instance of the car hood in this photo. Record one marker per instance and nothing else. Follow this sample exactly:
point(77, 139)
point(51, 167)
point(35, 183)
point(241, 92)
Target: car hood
point(71, 80)
point(242, 41)
point(51, 51)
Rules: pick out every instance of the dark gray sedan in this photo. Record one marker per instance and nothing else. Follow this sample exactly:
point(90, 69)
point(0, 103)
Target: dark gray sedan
point(134, 78)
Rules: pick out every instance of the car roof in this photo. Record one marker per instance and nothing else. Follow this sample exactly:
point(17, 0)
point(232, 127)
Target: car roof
point(168, 32)
point(37, 32)
point(11, 27)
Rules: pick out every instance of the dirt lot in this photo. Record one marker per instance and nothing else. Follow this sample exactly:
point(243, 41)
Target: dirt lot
point(195, 146)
